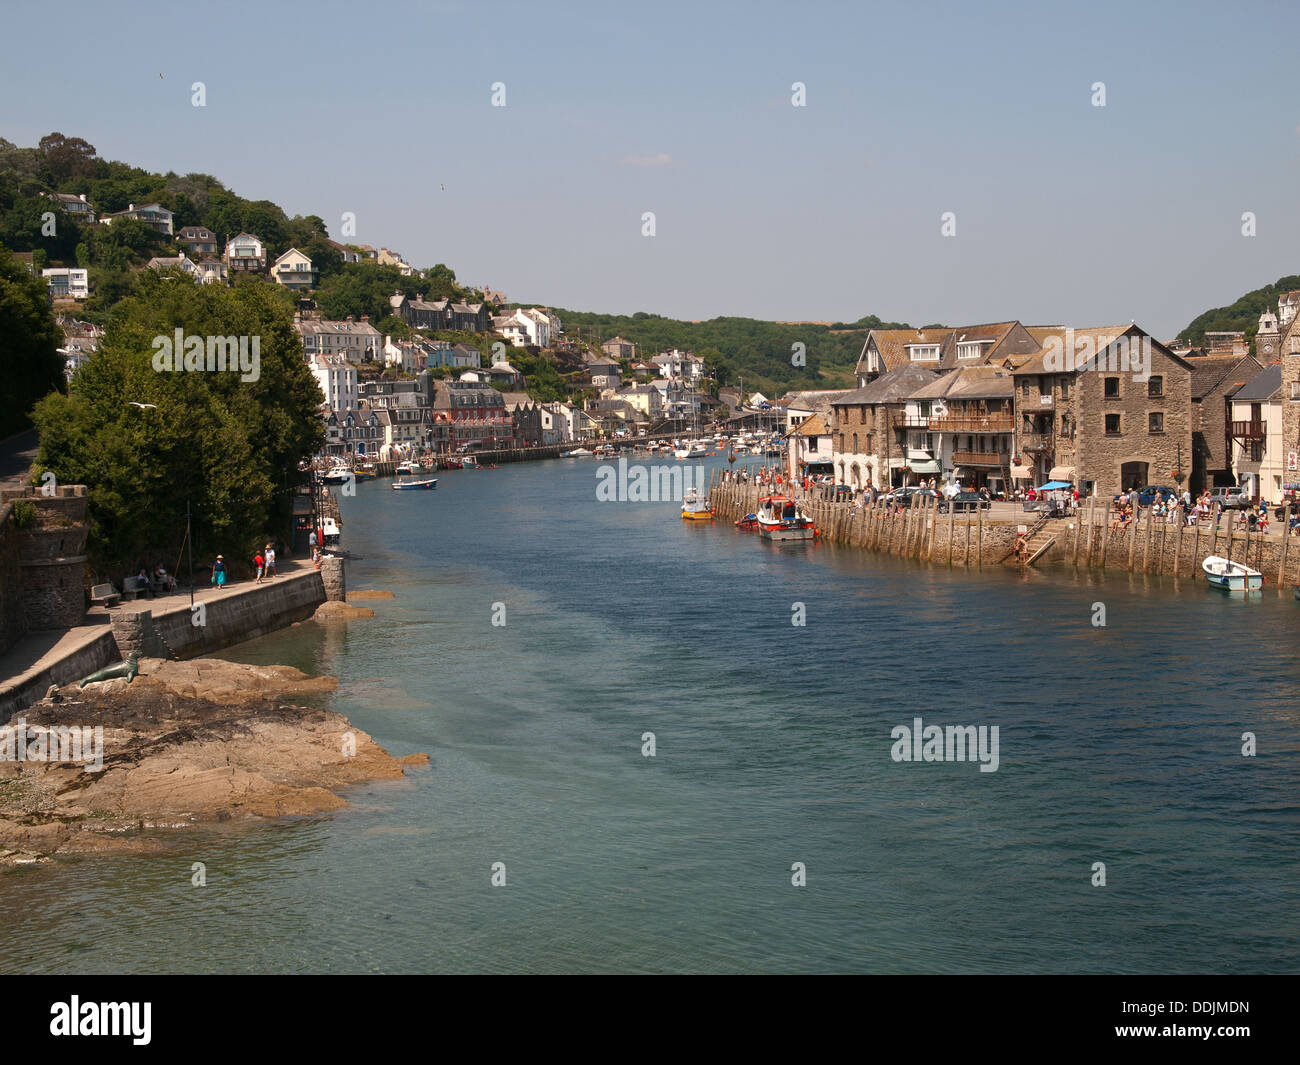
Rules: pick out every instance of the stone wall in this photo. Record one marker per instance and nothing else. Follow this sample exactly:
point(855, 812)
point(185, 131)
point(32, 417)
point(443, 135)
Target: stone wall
point(50, 587)
point(13, 620)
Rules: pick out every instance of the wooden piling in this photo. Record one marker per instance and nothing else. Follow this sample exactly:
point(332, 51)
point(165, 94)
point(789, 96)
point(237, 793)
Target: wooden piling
point(1286, 539)
point(934, 525)
point(979, 543)
point(1105, 536)
point(951, 512)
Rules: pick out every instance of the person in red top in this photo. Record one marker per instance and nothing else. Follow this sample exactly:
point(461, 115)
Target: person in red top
point(260, 563)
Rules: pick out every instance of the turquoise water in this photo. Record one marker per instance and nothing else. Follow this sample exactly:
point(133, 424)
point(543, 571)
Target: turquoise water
point(1119, 745)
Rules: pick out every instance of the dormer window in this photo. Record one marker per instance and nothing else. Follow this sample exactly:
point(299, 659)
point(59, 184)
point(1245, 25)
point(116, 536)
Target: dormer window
point(971, 349)
point(923, 352)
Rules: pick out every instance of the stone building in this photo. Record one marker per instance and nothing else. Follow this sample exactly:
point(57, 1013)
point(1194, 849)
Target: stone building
point(1214, 379)
point(1108, 408)
point(868, 430)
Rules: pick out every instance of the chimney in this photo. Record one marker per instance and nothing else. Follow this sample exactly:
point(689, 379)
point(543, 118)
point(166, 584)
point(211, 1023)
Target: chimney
point(130, 207)
point(83, 197)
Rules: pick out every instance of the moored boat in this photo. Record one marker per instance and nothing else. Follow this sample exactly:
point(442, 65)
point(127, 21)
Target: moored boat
point(406, 469)
point(338, 473)
point(695, 506)
point(578, 452)
point(428, 483)
point(779, 518)
point(1231, 576)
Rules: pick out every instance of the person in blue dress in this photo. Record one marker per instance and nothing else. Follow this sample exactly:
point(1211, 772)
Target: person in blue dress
point(219, 572)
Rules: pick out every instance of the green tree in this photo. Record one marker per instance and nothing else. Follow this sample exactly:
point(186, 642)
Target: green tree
point(228, 445)
point(29, 343)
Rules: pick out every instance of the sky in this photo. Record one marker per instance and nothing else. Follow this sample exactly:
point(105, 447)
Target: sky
point(1061, 211)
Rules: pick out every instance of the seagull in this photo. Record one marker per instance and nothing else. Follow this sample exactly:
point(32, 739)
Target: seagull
point(443, 187)
point(160, 74)
point(143, 406)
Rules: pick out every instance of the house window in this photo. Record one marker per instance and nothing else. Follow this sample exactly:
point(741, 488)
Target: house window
point(1110, 388)
point(1065, 389)
point(923, 352)
point(1155, 422)
point(1112, 424)
point(971, 349)
point(855, 443)
point(1156, 386)
point(1295, 389)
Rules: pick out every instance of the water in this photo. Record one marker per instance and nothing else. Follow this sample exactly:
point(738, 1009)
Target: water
point(1119, 745)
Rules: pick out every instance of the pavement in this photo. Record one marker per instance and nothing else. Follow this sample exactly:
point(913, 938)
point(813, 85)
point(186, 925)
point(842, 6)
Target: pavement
point(16, 456)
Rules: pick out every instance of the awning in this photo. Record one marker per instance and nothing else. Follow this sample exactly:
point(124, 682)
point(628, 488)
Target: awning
point(1022, 473)
point(925, 467)
point(1052, 486)
point(896, 464)
point(1062, 473)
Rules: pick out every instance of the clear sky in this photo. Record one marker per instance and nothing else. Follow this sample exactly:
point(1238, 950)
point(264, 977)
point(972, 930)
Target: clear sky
point(1065, 212)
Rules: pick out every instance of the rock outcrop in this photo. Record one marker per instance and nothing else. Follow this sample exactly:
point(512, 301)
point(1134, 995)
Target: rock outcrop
point(187, 743)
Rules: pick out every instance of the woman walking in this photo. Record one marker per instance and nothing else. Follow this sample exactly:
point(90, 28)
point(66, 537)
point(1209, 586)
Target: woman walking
point(219, 572)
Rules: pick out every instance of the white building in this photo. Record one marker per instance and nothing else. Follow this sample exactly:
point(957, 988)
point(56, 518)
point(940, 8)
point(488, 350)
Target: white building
point(337, 379)
point(67, 282)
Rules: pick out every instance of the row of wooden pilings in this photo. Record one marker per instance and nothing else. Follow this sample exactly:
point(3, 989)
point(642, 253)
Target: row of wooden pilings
point(1150, 545)
point(917, 531)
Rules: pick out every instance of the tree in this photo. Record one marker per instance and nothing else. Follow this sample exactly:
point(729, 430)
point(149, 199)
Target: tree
point(29, 344)
point(227, 444)
point(66, 158)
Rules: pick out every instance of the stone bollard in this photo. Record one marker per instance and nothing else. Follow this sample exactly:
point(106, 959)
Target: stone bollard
point(134, 631)
point(331, 572)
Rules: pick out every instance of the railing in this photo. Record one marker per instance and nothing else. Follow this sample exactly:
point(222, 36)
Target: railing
point(964, 423)
point(909, 421)
point(981, 458)
point(1036, 441)
point(1248, 430)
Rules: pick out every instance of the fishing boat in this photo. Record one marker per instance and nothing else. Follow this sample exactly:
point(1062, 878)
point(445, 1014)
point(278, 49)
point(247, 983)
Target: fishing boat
point(338, 473)
point(578, 452)
point(779, 518)
point(1231, 576)
point(428, 483)
point(329, 532)
point(406, 469)
point(695, 506)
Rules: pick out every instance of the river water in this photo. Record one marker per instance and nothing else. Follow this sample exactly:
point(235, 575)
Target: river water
point(1118, 744)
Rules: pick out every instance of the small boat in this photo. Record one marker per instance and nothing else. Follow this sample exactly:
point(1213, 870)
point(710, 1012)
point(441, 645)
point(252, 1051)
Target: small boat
point(749, 521)
point(407, 469)
point(339, 473)
point(779, 518)
point(429, 482)
point(695, 506)
point(578, 452)
point(329, 532)
point(682, 451)
point(697, 450)
point(1231, 576)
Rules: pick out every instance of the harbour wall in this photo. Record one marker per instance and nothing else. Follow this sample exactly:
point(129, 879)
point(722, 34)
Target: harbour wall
point(1150, 545)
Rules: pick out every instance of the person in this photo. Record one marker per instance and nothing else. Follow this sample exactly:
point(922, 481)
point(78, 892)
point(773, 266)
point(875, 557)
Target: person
point(146, 585)
point(270, 561)
point(315, 557)
point(311, 540)
point(260, 564)
point(1022, 548)
point(219, 572)
point(163, 580)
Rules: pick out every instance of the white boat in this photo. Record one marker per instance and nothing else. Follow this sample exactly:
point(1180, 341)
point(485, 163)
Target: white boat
point(330, 531)
point(428, 483)
point(338, 473)
point(1231, 576)
point(697, 450)
point(682, 451)
point(407, 469)
point(578, 452)
point(695, 506)
point(779, 518)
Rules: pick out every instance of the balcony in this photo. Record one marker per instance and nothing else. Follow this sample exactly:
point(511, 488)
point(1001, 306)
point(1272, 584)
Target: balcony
point(1247, 431)
point(910, 421)
point(981, 458)
point(966, 423)
point(1037, 441)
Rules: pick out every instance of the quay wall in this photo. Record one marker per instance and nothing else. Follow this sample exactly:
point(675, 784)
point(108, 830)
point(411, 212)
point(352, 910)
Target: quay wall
point(241, 613)
point(1149, 546)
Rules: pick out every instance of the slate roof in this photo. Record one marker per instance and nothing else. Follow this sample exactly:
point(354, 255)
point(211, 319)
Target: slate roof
point(893, 387)
point(1264, 386)
point(1209, 371)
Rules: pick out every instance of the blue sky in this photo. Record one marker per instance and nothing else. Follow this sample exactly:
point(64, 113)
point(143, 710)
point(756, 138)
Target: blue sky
point(1065, 212)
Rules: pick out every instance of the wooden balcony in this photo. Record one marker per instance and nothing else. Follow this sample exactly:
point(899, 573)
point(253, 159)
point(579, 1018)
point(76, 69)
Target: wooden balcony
point(1037, 441)
point(909, 421)
point(1247, 431)
point(965, 423)
point(981, 458)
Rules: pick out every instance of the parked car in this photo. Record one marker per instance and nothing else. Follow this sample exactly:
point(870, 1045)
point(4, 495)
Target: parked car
point(902, 497)
point(963, 501)
point(1233, 498)
point(841, 493)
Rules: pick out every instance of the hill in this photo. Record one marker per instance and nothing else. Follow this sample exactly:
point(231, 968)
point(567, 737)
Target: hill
point(1243, 314)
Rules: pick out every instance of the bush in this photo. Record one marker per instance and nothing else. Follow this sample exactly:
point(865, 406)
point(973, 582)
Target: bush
point(24, 514)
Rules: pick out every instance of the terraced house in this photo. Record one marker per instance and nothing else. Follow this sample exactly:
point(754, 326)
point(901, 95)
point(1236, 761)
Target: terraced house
point(961, 427)
point(1114, 414)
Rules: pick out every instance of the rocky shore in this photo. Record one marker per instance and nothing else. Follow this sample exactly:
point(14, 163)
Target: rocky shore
point(183, 744)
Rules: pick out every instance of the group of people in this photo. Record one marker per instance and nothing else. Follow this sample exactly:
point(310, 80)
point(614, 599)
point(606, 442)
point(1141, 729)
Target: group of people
point(156, 580)
point(263, 563)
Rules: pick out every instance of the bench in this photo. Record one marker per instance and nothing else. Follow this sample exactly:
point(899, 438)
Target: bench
point(134, 587)
point(103, 593)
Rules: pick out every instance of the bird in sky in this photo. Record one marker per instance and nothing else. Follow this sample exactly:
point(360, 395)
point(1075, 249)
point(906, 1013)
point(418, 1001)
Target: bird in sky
point(443, 187)
point(160, 73)
point(143, 406)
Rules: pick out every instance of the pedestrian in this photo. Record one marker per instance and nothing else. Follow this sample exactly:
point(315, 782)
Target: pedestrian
point(219, 572)
point(260, 563)
point(311, 540)
point(270, 561)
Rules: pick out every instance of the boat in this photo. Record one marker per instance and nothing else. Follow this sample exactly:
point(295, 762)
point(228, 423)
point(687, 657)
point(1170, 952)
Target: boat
point(578, 452)
point(1231, 576)
point(682, 451)
point(329, 529)
point(749, 521)
point(695, 506)
point(779, 518)
point(406, 469)
point(697, 450)
point(428, 482)
point(339, 473)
